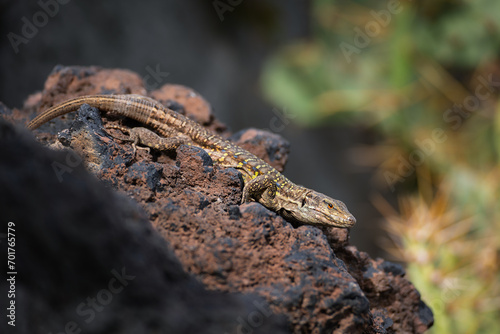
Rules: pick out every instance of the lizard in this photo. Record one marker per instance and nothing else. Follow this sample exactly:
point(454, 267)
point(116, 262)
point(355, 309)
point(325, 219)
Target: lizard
point(262, 183)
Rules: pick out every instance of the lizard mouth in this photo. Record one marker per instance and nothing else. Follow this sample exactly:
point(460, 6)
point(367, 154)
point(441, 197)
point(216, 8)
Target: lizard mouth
point(334, 220)
point(348, 221)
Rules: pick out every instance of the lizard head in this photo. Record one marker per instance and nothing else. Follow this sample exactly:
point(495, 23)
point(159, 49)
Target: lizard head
point(319, 209)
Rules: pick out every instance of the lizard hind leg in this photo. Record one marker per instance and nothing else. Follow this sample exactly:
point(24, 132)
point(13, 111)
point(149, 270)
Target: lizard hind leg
point(150, 139)
point(132, 137)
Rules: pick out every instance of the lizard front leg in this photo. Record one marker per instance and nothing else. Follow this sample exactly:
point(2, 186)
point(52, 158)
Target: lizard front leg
point(262, 189)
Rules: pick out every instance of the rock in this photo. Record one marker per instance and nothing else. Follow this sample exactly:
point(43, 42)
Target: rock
point(189, 103)
point(266, 145)
point(88, 260)
point(68, 82)
point(184, 100)
point(311, 276)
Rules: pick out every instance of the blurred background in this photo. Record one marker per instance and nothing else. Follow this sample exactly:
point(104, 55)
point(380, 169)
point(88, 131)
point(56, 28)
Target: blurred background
point(391, 107)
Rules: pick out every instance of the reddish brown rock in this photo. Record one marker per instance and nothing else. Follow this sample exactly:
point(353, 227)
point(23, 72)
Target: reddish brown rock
point(184, 100)
point(88, 260)
point(68, 82)
point(188, 102)
point(266, 145)
point(311, 276)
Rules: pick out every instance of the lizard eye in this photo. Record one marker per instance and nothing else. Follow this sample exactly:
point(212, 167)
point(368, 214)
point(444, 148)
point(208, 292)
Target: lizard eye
point(330, 205)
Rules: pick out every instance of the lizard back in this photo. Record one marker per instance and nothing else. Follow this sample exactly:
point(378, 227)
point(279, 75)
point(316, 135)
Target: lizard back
point(153, 114)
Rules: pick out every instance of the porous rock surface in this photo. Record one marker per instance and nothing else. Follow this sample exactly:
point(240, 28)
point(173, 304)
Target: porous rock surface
point(311, 277)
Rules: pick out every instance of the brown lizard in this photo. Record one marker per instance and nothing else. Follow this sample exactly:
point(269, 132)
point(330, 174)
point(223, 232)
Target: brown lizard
point(263, 183)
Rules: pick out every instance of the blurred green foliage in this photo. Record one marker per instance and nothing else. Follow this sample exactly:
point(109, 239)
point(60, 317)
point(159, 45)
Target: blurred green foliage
point(410, 70)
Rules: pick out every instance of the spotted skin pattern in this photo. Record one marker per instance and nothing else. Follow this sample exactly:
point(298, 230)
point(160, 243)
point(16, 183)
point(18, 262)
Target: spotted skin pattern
point(263, 183)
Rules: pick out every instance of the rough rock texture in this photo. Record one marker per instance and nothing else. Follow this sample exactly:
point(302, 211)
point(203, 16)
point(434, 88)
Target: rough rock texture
point(267, 146)
point(311, 276)
point(88, 260)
